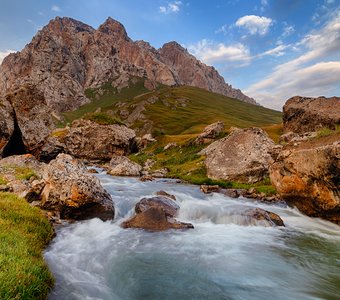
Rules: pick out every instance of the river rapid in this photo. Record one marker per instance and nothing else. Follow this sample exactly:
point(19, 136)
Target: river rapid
point(221, 258)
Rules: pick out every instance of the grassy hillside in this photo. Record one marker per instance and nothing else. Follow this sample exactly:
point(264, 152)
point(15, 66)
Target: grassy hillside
point(172, 111)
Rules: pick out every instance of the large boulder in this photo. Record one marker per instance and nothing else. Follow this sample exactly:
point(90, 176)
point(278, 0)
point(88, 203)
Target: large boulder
point(243, 156)
point(88, 140)
point(123, 166)
point(308, 177)
point(210, 133)
point(33, 118)
point(302, 114)
point(156, 214)
point(169, 206)
point(6, 123)
point(73, 192)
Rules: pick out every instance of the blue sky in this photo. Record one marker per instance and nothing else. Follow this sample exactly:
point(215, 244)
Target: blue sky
point(271, 49)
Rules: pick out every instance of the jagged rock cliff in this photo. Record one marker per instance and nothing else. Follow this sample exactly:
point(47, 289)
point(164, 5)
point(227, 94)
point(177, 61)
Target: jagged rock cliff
point(67, 56)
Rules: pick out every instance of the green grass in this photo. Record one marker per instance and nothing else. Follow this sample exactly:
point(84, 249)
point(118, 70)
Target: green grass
point(325, 131)
point(24, 173)
point(21, 173)
point(102, 118)
point(183, 162)
point(107, 100)
point(24, 233)
point(201, 109)
point(2, 180)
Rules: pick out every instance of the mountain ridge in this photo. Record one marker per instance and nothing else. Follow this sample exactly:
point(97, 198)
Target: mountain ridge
point(68, 56)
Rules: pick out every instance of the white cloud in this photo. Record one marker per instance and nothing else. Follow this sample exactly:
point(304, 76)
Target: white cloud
point(55, 8)
point(277, 51)
point(211, 52)
point(255, 24)
point(172, 7)
point(309, 74)
point(3, 54)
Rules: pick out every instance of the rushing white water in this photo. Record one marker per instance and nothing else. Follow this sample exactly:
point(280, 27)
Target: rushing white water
point(219, 259)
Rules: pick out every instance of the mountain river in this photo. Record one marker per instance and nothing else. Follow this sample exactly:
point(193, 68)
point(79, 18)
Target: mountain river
point(221, 258)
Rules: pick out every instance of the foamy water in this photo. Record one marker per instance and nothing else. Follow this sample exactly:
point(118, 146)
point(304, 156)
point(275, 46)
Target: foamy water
point(220, 259)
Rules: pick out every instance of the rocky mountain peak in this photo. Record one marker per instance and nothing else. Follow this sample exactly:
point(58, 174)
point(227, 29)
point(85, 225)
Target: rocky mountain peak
point(65, 24)
point(173, 46)
point(113, 27)
point(67, 57)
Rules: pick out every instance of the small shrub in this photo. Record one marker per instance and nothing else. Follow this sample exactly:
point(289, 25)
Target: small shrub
point(24, 173)
point(2, 180)
point(102, 119)
point(325, 131)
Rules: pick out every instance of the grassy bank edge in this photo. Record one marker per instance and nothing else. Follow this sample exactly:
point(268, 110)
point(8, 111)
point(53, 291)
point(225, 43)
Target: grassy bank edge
point(24, 234)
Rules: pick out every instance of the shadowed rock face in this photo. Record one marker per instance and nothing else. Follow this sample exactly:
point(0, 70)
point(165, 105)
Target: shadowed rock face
point(32, 115)
point(7, 123)
point(309, 178)
point(243, 156)
point(302, 114)
point(67, 56)
point(26, 121)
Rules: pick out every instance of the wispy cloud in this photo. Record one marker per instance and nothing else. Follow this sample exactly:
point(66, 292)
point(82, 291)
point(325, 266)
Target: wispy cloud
point(171, 7)
point(264, 4)
point(315, 72)
point(211, 52)
point(3, 54)
point(254, 24)
point(55, 8)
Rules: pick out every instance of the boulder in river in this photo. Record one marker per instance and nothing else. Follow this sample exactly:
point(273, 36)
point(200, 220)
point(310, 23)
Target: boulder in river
point(73, 192)
point(123, 166)
point(243, 156)
point(169, 206)
point(154, 219)
point(308, 177)
point(157, 214)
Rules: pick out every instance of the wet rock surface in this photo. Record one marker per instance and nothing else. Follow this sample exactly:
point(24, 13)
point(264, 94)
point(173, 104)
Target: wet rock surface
point(169, 206)
point(156, 214)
